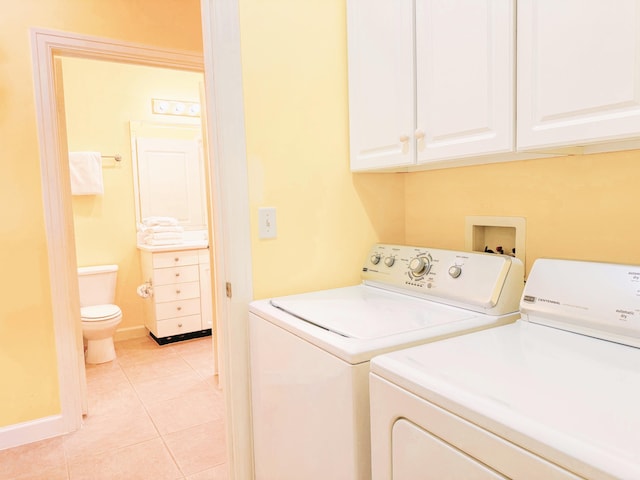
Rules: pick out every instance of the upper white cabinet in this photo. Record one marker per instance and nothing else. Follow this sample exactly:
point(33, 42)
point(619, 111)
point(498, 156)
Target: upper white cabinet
point(381, 83)
point(578, 73)
point(430, 81)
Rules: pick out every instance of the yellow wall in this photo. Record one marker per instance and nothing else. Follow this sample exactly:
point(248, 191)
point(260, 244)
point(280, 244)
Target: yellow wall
point(582, 207)
point(100, 100)
point(295, 86)
point(27, 351)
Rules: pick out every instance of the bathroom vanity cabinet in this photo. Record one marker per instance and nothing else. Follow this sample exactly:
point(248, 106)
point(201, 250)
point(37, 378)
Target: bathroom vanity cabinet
point(180, 306)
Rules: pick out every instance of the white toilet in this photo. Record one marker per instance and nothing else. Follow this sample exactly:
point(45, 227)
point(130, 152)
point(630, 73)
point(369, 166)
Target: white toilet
point(100, 316)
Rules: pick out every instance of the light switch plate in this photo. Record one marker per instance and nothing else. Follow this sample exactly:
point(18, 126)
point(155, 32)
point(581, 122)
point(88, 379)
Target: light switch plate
point(267, 222)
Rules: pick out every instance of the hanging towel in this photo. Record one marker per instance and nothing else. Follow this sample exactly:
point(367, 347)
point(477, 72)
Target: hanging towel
point(86, 173)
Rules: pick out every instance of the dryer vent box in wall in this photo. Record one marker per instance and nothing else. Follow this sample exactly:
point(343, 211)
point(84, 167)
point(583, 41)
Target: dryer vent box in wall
point(484, 233)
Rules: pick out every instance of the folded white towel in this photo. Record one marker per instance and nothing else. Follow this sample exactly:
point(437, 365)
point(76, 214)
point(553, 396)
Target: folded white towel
point(160, 228)
point(165, 236)
point(156, 241)
point(156, 221)
point(85, 169)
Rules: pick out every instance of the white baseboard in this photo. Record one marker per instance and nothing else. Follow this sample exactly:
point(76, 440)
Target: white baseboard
point(130, 332)
point(32, 431)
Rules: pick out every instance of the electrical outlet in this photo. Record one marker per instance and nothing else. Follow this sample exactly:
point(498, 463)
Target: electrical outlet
point(267, 222)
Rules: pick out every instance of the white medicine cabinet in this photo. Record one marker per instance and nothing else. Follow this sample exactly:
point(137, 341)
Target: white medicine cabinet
point(169, 173)
point(433, 83)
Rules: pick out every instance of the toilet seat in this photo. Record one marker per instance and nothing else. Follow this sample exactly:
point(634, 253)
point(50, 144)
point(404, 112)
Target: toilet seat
point(98, 313)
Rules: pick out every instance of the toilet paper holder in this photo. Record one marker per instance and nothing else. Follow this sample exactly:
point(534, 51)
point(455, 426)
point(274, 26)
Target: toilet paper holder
point(145, 290)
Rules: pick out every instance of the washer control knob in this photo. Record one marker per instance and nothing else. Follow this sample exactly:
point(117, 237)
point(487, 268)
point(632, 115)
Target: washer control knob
point(420, 266)
point(389, 261)
point(375, 258)
point(455, 271)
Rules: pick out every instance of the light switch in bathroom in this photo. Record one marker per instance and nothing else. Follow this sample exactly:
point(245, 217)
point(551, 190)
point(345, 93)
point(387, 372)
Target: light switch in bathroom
point(267, 222)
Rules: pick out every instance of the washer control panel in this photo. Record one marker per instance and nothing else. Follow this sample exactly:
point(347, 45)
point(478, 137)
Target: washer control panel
point(475, 280)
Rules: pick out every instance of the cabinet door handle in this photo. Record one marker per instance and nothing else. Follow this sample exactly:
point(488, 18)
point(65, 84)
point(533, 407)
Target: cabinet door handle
point(403, 138)
point(419, 134)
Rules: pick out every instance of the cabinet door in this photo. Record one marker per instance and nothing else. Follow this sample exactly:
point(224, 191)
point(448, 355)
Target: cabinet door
point(381, 83)
point(578, 71)
point(465, 78)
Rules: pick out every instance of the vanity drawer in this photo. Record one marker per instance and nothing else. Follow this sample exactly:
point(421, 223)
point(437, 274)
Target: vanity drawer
point(176, 326)
point(178, 291)
point(171, 275)
point(175, 259)
point(177, 308)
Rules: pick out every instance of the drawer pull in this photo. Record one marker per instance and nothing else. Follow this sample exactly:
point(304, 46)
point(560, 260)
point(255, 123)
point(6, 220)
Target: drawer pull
point(177, 259)
point(178, 308)
point(179, 325)
point(177, 274)
point(178, 292)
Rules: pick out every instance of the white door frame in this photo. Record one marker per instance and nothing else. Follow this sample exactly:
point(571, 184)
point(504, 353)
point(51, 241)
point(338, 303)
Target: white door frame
point(230, 217)
point(226, 134)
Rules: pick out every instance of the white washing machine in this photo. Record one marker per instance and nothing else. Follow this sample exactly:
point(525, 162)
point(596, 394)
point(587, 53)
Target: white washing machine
point(555, 395)
point(310, 353)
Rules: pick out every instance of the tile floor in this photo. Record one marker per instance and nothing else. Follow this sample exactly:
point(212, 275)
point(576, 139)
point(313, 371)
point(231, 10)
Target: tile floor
point(155, 413)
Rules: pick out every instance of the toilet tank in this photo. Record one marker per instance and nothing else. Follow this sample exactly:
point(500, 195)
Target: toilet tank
point(97, 284)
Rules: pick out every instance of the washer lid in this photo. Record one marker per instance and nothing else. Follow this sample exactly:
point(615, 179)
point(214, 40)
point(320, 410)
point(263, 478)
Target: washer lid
point(366, 312)
point(99, 312)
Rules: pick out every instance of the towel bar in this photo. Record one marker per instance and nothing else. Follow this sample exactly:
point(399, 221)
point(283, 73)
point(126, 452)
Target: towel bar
point(117, 157)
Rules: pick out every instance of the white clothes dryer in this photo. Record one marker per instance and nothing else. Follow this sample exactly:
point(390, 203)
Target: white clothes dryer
point(554, 395)
point(310, 353)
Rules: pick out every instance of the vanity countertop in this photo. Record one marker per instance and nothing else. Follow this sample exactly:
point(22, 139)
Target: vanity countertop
point(186, 245)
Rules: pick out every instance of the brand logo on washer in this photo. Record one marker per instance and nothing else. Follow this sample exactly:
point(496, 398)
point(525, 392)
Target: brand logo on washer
point(529, 299)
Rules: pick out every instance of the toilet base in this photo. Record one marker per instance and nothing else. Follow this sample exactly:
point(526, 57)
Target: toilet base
point(100, 351)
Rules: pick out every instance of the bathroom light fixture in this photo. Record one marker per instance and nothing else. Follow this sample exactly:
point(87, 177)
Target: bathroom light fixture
point(160, 106)
point(175, 107)
point(178, 108)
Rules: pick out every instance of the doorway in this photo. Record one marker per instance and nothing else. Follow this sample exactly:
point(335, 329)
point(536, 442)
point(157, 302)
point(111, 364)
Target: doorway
point(230, 221)
point(48, 47)
point(152, 165)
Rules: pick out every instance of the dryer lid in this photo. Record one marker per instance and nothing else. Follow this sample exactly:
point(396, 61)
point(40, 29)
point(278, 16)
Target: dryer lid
point(99, 312)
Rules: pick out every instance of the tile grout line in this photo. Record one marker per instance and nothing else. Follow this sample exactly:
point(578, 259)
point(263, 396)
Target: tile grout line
point(161, 436)
point(162, 439)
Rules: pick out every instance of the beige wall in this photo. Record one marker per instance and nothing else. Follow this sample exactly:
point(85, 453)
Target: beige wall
point(582, 207)
point(295, 86)
point(27, 351)
point(101, 98)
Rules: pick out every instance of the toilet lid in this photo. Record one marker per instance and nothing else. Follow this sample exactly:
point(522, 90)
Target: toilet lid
point(99, 312)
